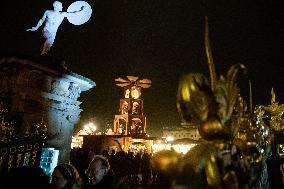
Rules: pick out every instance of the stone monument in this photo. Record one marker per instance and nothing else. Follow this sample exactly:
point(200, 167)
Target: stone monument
point(36, 89)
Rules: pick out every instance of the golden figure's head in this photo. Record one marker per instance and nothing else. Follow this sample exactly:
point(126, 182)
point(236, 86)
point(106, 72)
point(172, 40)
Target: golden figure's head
point(195, 100)
point(210, 110)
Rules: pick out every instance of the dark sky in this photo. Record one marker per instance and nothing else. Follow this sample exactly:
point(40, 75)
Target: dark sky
point(159, 40)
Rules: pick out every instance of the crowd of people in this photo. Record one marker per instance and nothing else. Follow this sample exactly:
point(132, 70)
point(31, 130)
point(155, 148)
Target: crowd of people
point(119, 169)
point(87, 170)
point(122, 170)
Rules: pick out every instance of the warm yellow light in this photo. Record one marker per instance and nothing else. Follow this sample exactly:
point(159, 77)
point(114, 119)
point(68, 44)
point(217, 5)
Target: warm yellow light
point(135, 93)
point(77, 142)
point(180, 148)
point(159, 147)
point(90, 128)
point(170, 138)
point(127, 93)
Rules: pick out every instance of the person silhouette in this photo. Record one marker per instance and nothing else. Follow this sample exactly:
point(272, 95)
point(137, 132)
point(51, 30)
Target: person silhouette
point(52, 19)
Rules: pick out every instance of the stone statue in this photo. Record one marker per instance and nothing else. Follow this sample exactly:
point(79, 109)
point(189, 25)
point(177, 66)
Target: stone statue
point(53, 19)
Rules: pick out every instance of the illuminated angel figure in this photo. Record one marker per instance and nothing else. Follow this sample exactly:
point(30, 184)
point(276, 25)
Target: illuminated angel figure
point(53, 19)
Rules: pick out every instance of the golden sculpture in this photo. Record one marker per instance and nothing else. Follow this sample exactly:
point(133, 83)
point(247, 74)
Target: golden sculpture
point(209, 56)
point(216, 162)
point(211, 111)
point(236, 143)
point(276, 111)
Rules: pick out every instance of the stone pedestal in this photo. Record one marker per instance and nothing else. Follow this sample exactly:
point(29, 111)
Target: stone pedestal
point(43, 89)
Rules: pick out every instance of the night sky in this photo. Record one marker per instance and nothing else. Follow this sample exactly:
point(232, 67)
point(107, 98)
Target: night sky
point(159, 40)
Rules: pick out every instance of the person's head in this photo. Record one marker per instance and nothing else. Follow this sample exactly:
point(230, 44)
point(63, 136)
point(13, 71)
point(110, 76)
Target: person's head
point(57, 5)
point(65, 176)
point(97, 169)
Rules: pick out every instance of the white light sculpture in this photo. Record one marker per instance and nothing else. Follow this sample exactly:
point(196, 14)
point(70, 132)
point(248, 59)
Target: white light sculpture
point(77, 13)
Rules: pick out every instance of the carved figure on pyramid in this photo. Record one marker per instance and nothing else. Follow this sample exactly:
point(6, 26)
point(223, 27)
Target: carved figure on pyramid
point(77, 13)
